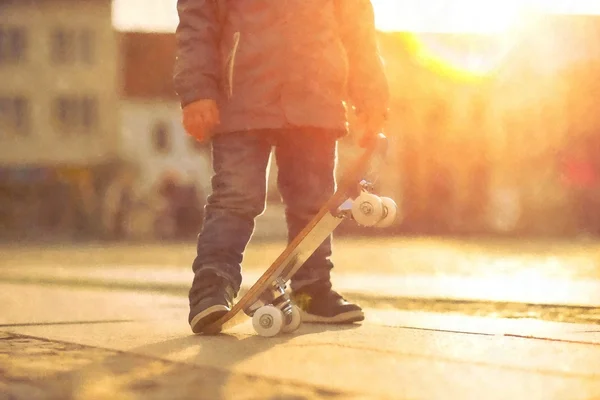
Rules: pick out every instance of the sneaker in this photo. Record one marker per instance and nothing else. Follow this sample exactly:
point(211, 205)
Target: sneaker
point(326, 307)
point(209, 301)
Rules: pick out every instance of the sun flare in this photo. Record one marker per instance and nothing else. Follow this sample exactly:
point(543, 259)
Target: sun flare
point(477, 33)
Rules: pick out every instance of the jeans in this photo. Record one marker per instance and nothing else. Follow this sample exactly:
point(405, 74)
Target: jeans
point(306, 160)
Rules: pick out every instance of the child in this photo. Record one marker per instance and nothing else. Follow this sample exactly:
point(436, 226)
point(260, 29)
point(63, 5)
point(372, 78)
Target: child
point(254, 75)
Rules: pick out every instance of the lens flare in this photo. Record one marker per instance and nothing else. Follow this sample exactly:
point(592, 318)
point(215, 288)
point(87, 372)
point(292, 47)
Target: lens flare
point(465, 39)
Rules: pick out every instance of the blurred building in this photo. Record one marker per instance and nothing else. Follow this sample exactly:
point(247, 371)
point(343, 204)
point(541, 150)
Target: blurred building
point(59, 123)
point(153, 140)
point(152, 134)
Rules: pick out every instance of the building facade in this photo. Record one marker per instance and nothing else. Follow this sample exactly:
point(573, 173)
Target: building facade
point(58, 110)
point(59, 83)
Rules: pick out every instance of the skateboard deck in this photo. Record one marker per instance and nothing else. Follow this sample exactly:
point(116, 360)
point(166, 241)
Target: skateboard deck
point(272, 282)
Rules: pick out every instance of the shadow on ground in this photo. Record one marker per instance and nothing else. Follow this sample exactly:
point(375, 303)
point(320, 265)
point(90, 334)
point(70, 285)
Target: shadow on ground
point(205, 368)
point(218, 355)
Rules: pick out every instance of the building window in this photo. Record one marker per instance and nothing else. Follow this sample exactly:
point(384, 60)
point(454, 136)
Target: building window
point(161, 137)
point(86, 46)
point(14, 116)
point(63, 46)
point(13, 44)
point(78, 113)
point(72, 45)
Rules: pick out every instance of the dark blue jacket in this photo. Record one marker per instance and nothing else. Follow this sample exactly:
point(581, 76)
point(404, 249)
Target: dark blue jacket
point(280, 63)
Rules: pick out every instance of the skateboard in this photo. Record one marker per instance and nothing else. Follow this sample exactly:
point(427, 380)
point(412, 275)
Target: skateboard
point(267, 302)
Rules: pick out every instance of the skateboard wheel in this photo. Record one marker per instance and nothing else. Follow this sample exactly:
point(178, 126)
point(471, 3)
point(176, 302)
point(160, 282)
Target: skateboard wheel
point(267, 321)
point(296, 320)
point(390, 212)
point(367, 209)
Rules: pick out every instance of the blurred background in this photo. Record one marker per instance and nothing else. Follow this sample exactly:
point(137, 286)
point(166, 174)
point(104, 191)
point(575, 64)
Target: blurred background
point(494, 126)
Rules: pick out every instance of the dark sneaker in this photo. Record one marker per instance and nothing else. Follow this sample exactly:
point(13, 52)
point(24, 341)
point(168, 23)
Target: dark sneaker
point(326, 307)
point(209, 301)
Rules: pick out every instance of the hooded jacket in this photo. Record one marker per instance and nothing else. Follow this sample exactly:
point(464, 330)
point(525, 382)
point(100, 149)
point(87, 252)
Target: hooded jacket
point(280, 63)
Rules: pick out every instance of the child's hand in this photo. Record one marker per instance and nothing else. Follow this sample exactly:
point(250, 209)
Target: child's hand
point(200, 117)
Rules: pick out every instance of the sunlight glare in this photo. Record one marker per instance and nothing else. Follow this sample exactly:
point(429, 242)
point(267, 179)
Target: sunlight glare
point(461, 59)
point(474, 16)
point(580, 7)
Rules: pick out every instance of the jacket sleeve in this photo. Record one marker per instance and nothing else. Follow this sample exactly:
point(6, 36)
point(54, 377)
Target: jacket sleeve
point(196, 72)
point(367, 83)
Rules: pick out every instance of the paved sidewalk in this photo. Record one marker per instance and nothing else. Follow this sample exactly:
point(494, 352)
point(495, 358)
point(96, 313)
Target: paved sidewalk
point(91, 344)
point(526, 290)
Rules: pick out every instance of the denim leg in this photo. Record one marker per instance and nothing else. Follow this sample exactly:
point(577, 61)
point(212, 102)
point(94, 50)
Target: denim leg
point(238, 196)
point(306, 180)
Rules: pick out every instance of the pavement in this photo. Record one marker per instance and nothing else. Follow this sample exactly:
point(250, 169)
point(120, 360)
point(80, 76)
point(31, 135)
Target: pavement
point(68, 332)
point(530, 290)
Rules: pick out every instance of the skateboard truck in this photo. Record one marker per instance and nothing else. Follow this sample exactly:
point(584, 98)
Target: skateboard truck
point(368, 209)
point(274, 312)
point(274, 295)
point(345, 209)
